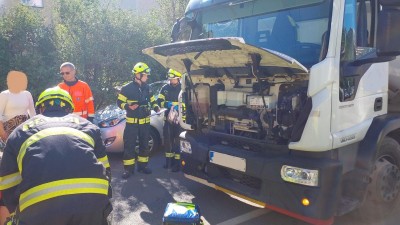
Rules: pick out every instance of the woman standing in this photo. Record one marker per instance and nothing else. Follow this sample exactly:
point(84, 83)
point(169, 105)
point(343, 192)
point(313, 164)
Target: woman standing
point(16, 106)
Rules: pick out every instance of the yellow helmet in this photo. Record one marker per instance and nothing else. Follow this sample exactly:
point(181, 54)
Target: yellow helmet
point(141, 68)
point(172, 74)
point(55, 96)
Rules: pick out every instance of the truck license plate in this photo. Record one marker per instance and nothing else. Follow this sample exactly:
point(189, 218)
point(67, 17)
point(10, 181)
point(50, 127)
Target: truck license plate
point(228, 161)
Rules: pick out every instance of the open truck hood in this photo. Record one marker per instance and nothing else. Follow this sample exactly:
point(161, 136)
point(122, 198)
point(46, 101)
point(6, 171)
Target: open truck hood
point(220, 53)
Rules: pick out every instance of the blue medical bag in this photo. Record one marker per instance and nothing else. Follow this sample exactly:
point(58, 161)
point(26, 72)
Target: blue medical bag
point(182, 213)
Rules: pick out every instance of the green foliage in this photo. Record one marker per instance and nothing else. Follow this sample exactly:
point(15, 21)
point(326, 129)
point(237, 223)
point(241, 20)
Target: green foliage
point(103, 42)
point(26, 45)
point(168, 12)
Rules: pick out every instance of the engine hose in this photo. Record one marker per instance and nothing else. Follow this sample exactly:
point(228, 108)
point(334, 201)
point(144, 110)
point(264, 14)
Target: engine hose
point(262, 115)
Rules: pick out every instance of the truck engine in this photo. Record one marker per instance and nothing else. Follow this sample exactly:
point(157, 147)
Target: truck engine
point(261, 110)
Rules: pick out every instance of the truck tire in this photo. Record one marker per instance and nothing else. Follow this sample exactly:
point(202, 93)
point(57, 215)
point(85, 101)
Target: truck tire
point(382, 195)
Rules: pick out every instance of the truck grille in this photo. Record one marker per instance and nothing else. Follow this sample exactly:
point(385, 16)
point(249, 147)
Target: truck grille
point(241, 178)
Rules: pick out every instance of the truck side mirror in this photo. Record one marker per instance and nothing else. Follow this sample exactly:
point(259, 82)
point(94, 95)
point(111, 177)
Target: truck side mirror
point(388, 35)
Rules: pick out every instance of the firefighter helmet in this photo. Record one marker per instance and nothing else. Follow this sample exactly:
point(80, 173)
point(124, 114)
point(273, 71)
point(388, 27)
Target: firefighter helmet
point(172, 74)
point(55, 97)
point(141, 68)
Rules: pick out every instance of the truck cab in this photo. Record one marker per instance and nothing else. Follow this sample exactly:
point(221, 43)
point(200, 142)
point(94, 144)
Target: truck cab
point(290, 103)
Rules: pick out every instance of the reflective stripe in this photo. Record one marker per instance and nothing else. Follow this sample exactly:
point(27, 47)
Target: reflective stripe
point(122, 98)
point(129, 162)
point(89, 99)
point(53, 131)
point(10, 180)
point(123, 105)
point(32, 123)
point(161, 96)
point(143, 159)
point(152, 99)
point(61, 188)
point(177, 103)
point(131, 101)
point(136, 120)
point(105, 162)
point(177, 156)
point(169, 154)
point(80, 113)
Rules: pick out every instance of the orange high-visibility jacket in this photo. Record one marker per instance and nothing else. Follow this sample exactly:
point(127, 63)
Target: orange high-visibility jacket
point(82, 98)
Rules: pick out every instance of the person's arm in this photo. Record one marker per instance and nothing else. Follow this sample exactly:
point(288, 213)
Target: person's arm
point(10, 177)
point(3, 134)
point(100, 152)
point(153, 103)
point(124, 103)
point(161, 97)
point(3, 103)
point(31, 107)
point(89, 101)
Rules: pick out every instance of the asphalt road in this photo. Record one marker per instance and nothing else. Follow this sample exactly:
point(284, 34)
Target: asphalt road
point(142, 199)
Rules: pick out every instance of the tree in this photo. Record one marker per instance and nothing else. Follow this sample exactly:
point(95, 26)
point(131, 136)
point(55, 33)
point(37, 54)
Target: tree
point(168, 12)
point(26, 45)
point(104, 43)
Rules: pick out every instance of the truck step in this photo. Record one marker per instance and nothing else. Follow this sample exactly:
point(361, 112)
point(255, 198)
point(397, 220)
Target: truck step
point(346, 205)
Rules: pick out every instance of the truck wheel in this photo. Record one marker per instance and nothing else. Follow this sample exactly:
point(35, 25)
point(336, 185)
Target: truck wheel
point(383, 191)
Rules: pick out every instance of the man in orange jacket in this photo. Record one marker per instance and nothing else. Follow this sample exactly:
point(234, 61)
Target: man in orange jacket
point(80, 92)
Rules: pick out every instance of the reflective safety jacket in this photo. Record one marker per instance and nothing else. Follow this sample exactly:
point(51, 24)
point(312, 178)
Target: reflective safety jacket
point(82, 97)
point(54, 157)
point(133, 93)
point(168, 97)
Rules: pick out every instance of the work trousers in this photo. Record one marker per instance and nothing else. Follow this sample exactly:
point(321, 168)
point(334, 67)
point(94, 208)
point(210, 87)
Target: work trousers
point(171, 142)
point(131, 134)
point(59, 212)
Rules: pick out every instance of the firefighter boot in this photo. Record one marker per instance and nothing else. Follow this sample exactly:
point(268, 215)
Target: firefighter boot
point(142, 168)
point(128, 170)
point(126, 174)
point(168, 163)
point(176, 165)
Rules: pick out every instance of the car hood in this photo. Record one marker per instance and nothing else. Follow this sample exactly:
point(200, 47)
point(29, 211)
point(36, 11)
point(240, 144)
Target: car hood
point(219, 53)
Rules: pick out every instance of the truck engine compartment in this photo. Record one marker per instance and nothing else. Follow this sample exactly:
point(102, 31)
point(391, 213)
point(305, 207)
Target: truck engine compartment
point(261, 109)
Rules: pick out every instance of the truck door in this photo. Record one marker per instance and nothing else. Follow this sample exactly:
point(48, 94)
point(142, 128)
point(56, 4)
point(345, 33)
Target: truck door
point(362, 87)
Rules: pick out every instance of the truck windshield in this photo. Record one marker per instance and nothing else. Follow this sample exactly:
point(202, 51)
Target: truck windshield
point(297, 31)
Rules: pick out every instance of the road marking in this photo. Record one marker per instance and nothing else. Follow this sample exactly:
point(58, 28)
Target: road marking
point(245, 217)
point(205, 222)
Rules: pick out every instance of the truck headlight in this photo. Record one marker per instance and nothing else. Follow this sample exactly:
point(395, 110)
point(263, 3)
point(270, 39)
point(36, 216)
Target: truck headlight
point(186, 147)
point(299, 175)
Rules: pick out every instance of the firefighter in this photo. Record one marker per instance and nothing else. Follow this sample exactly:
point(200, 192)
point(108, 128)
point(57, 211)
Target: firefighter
point(54, 168)
point(79, 90)
point(168, 98)
point(135, 99)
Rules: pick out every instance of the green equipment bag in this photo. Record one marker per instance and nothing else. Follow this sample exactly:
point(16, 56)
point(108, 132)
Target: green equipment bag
point(182, 213)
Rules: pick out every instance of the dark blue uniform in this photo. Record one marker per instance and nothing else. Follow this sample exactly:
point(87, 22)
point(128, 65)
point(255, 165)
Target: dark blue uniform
point(55, 171)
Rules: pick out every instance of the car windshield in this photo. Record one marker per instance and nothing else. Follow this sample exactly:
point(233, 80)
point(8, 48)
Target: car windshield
point(114, 112)
point(155, 88)
point(295, 31)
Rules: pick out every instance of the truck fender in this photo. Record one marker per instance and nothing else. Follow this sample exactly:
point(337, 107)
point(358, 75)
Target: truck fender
point(381, 127)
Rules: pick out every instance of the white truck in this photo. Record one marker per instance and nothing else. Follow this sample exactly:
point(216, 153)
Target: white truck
point(291, 103)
